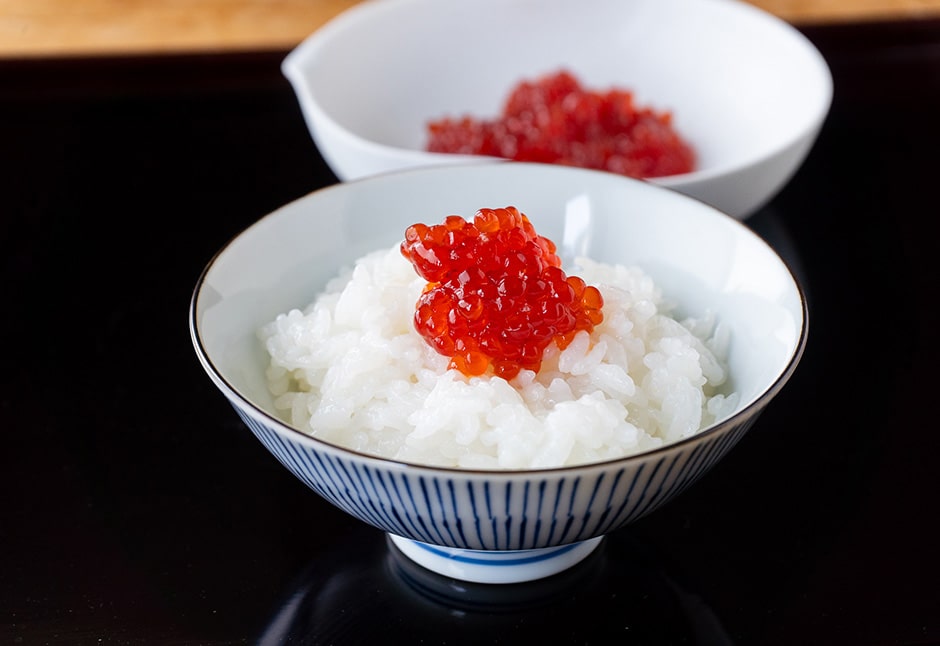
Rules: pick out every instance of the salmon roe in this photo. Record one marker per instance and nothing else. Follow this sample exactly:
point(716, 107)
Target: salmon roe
point(553, 119)
point(496, 295)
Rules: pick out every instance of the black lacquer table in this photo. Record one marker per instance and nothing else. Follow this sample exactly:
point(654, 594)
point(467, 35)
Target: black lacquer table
point(138, 510)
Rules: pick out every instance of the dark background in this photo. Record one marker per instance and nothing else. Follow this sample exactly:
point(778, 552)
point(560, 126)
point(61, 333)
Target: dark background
point(139, 510)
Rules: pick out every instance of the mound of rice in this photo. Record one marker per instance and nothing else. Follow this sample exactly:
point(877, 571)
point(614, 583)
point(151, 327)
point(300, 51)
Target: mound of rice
point(351, 370)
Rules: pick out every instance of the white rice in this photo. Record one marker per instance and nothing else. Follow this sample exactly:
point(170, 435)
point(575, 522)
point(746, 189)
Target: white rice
point(351, 369)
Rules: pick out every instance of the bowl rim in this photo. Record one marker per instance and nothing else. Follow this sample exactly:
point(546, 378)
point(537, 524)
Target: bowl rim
point(236, 397)
point(292, 67)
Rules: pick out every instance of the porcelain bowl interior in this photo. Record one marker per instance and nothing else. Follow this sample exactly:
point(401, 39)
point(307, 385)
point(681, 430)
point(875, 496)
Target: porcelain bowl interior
point(701, 258)
point(747, 89)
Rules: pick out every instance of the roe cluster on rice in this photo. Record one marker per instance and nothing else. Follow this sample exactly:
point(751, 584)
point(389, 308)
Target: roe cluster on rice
point(352, 370)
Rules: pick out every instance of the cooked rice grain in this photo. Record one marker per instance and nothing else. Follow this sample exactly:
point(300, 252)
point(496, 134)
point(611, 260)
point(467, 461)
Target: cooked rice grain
point(351, 370)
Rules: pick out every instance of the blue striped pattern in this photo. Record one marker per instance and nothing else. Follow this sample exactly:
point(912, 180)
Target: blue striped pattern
point(500, 511)
point(500, 559)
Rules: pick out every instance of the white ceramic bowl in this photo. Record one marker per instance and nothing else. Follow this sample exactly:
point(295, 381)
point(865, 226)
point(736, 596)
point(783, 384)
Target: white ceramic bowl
point(748, 90)
point(500, 526)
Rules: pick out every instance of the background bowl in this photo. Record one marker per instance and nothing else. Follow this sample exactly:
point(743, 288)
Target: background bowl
point(500, 526)
point(746, 89)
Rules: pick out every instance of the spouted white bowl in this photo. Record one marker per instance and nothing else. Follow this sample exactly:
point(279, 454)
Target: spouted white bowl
point(748, 90)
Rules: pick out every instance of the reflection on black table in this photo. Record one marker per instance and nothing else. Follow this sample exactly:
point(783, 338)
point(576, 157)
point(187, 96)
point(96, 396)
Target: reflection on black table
point(623, 589)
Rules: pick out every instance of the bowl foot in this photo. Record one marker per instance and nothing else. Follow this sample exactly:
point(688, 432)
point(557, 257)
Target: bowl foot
point(491, 566)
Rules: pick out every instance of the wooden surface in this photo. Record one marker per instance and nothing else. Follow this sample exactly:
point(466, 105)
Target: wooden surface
point(92, 27)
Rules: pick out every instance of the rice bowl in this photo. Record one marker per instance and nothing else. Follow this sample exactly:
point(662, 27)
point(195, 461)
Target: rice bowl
point(501, 525)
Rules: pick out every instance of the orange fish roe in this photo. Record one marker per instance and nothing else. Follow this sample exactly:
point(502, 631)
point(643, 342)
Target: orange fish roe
point(554, 119)
point(496, 295)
